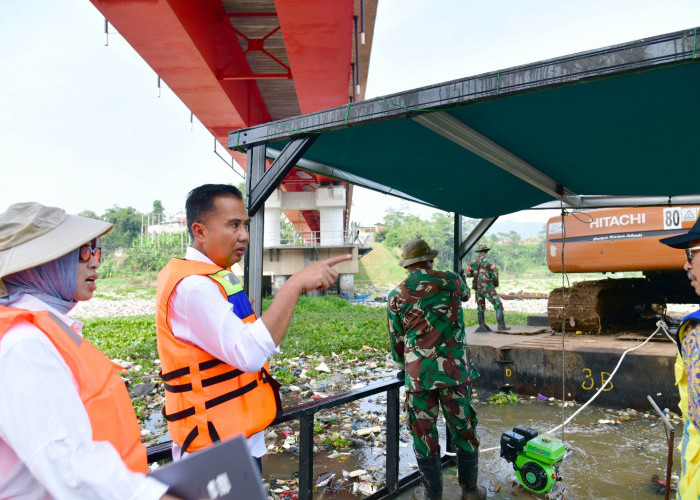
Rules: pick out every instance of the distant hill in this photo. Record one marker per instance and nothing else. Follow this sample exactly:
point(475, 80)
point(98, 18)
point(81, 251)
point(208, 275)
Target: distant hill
point(380, 266)
point(524, 229)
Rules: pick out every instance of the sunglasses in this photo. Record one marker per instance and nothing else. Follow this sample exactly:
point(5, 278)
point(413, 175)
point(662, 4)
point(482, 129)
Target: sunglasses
point(85, 251)
point(689, 253)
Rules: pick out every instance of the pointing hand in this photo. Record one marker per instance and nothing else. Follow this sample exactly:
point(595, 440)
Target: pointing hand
point(321, 275)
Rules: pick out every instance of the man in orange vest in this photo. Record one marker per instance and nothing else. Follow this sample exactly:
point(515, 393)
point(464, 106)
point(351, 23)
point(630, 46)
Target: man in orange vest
point(67, 426)
point(213, 349)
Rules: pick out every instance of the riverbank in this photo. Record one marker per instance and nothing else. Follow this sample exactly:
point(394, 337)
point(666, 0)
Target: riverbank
point(355, 458)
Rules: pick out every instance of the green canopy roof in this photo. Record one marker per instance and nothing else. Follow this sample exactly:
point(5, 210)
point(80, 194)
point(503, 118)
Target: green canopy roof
point(613, 122)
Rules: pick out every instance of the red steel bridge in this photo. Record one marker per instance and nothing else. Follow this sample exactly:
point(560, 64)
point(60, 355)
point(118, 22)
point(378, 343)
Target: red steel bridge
point(240, 63)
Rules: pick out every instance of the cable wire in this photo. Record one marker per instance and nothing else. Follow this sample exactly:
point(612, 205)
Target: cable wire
point(661, 325)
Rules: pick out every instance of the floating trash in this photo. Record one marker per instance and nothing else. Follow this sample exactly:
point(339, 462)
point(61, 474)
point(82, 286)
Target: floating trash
point(366, 488)
point(357, 473)
point(325, 480)
point(368, 430)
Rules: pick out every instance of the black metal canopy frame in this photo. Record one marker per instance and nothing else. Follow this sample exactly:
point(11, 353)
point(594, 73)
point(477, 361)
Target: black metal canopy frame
point(608, 127)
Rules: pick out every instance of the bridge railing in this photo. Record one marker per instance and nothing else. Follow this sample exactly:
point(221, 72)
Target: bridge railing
point(306, 412)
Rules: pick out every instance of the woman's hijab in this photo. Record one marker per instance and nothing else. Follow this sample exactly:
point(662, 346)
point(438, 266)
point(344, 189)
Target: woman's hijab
point(54, 282)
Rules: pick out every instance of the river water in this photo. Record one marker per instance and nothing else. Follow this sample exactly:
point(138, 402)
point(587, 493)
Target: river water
point(613, 454)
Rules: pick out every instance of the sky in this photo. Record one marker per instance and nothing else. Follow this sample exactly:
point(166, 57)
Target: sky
point(82, 126)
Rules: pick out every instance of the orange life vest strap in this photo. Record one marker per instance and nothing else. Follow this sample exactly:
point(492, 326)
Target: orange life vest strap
point(195, 432)
point(181, 372)
point(212, 402)
point(206, 382)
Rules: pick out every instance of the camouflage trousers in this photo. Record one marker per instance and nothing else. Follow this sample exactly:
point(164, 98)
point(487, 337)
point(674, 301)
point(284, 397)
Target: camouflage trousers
point(457, 408)
point(487, 293)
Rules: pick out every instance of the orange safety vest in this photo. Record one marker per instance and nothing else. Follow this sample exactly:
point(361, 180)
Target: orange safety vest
point(102, 390)
point(207, 400)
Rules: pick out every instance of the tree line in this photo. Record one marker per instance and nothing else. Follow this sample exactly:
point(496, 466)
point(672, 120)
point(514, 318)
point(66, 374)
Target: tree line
point(129, 247)
point(511, 253)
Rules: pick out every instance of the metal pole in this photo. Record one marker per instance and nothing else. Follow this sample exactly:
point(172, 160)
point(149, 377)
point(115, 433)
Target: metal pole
point(670, 436)
point(306, 456)
point(392, 439)
point(456, 242)
point(357, 58)
point(352, 71)
point(362, 21)
point(254, 252)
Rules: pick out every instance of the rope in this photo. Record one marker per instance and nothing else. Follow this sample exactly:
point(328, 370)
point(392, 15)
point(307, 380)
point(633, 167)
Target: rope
point(566, 302)
point(661, 325)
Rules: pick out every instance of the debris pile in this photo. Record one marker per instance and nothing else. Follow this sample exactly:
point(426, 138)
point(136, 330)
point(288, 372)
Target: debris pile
point(342, 436)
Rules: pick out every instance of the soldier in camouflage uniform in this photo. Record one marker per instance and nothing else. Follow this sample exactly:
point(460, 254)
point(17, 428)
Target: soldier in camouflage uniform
point(485, 274)
point(428, 341)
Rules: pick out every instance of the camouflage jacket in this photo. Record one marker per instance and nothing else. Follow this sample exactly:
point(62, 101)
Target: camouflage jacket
point(485, 272)
point(426, 326)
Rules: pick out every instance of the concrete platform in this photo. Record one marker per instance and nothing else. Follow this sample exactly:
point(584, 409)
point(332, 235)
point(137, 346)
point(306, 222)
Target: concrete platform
point(534, 360)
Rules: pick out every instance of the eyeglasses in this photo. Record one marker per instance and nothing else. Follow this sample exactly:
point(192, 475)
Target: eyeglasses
point(87, 250)
point(689, 253)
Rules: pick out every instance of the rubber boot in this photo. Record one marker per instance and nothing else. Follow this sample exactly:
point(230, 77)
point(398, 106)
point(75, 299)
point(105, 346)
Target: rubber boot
point(483, 327)
point(467, 472)
point(501, 320)
point(431, 473)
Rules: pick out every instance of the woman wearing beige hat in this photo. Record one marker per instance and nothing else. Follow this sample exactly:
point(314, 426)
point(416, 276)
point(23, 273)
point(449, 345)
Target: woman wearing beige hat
point(67, 427)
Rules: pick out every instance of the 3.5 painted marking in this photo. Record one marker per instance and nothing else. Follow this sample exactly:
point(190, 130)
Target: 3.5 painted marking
point(589, 382)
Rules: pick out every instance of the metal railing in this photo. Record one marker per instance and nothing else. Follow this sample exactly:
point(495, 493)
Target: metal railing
point(317, 238)
point(393, 484)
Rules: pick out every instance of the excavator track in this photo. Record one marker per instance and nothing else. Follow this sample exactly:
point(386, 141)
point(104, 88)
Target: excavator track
point(596, 306)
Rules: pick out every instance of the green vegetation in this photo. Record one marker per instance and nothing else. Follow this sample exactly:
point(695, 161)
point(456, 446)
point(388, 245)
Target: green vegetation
point(128, 248)
point(130, 338)
point(504, 398)
point(135, 286)
point(511, 254)
point(512, 317)
point(284, 376)
point(337, 442)
point(320, 326)
point(380, 266)
point(331, 324)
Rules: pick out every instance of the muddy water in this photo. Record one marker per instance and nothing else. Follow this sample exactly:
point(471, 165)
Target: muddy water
point(607, 460)
point(612, 455)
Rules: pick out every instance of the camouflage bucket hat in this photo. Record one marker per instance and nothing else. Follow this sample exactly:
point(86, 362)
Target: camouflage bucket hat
point(416, 250)
point(482, 248)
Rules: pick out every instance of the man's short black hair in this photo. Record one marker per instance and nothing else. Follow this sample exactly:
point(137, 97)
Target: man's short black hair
point(200, 201)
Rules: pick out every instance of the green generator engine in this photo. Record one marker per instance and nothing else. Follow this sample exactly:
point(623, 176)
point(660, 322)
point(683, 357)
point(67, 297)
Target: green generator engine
point(535, 458)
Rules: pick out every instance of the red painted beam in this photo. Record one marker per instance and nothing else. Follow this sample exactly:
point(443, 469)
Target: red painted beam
point(188, 44)
point(318, 39)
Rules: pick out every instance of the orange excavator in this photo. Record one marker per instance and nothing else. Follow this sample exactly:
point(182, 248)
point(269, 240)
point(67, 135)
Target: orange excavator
point(616, 240)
